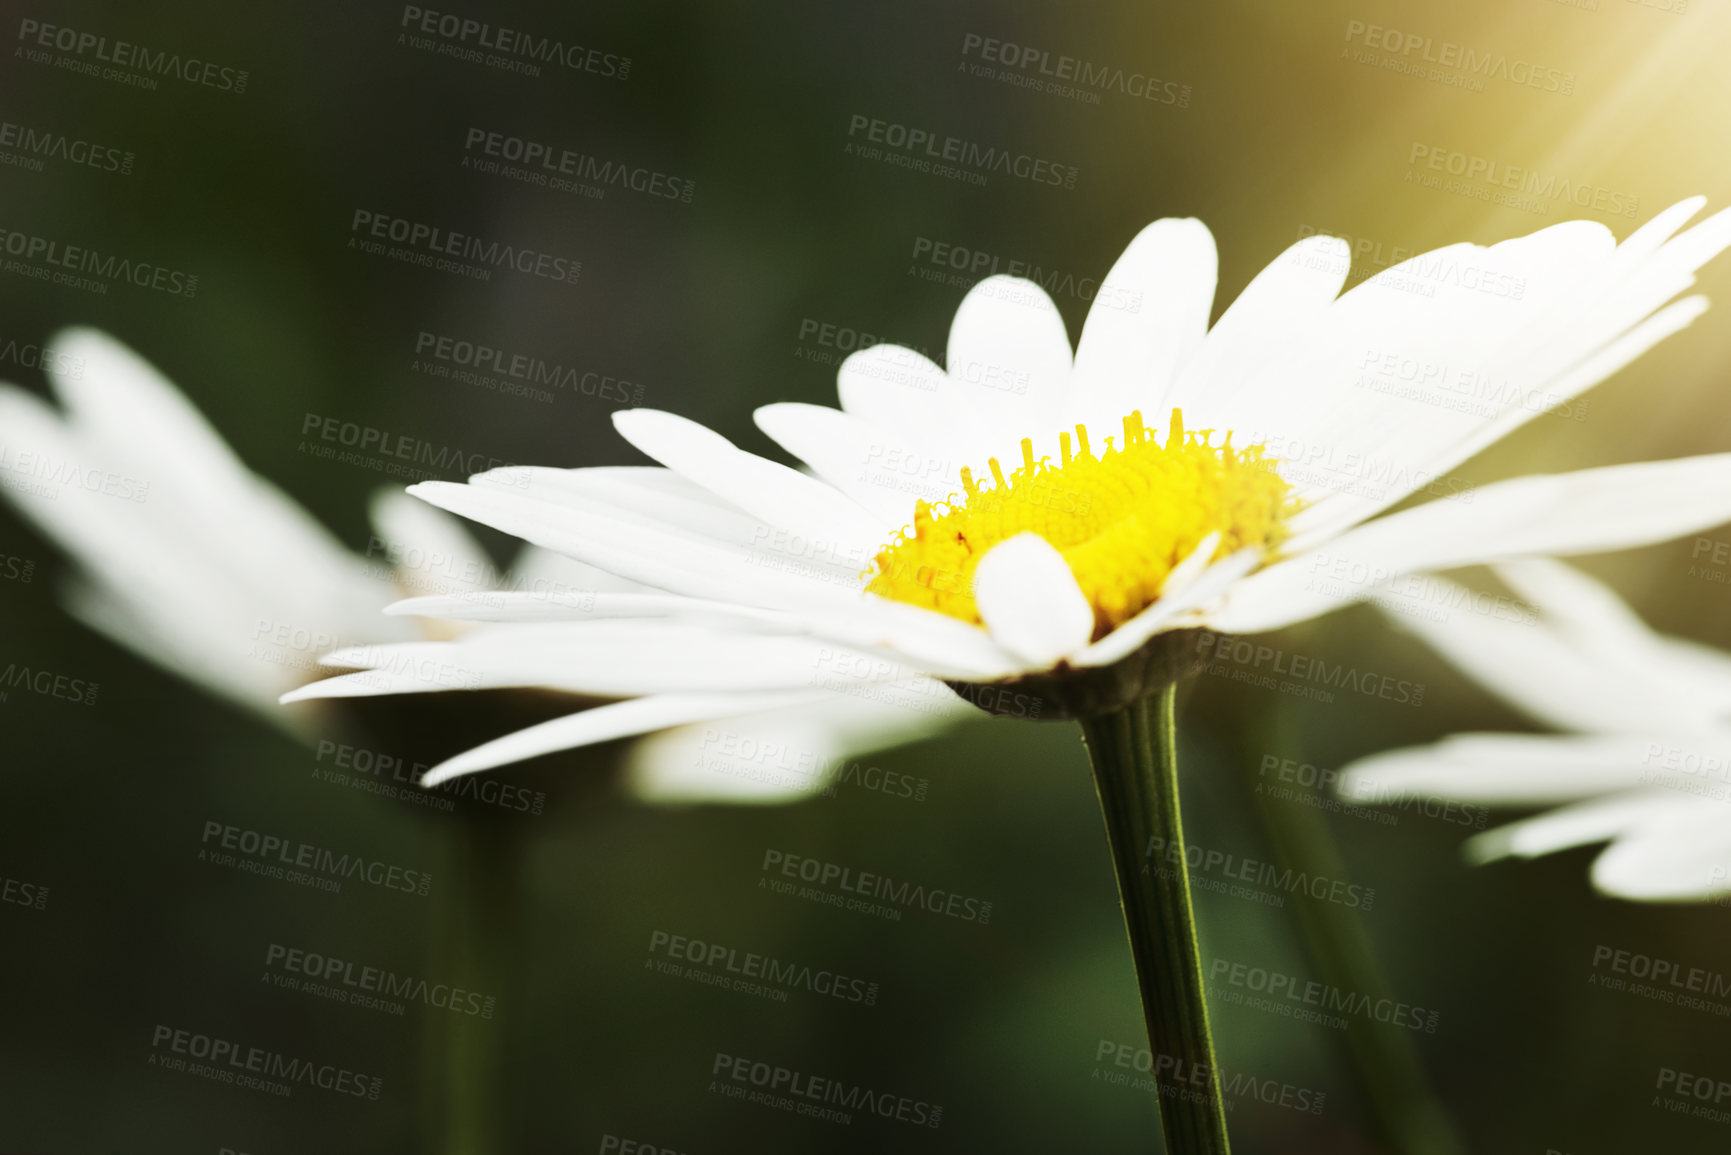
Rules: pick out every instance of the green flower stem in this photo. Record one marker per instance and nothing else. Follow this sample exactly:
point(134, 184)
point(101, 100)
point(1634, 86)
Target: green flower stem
point(1384, 1060)
point(1135, 757)
point(471, 944)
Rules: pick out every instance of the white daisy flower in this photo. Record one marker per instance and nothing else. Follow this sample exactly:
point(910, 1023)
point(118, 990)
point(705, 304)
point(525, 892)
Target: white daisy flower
point(1644, 762)
point(185, 556)
point(1083, 584)
point(202, 567)
point(1076, 574)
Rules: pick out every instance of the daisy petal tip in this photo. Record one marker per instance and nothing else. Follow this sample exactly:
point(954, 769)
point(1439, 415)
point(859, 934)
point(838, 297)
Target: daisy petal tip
point(1191, 230)
point(444, 772)
point(429, 491)
point(1488, 847)
point(1191, 568)
point(1328, 245)
point(1355, 787)
point(625, 420)
point(75, 344)
point(1030, 601)
point(350, 657)
point(502, 477)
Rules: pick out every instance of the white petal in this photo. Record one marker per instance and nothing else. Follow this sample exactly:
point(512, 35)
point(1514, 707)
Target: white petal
point(859, 459)
point(1553, 674)
point(114, 398)
point(1030, 602)
point(600, 724)
point(775, 755)
point(1260, 331)
point(184, 545)
point(1192, 567)
point(613, 659)
point(541, 571)
point(427, 547)
point(1681, 859)
point(1573, 601)
point(935, 643)
point(1693, 680)
point(1129, 357)
point(1509, 769)
point(565, 606)
point(655, 554)
point(1171, 610)
point(1009, 359)
point(158, 634)
point(649, 493)
point(1417, 467)
point(1596, 820)
point(903, 393)
point(1583, 311)
point(127, 422)
point(1615, 507)
point(784, 498)
point(1384, 434)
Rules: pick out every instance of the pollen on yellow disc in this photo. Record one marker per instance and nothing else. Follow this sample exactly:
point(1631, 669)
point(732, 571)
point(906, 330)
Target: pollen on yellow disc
point(1123, 520)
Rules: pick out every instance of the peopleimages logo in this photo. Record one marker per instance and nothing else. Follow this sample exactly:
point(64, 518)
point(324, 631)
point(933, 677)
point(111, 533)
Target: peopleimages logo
point(968, 265)
point(30, 355)
point(35, 896)
point(131, 63)
point(745, 755)
point(751, 973)
point(35, 145)
point(567, 170)
point(471, 358)
point(1063, 75)
point(48, 684)
point(1681, 982)
point(1174, 1078)
point(380, 773)
point(1470, 62)
point(445, 250)
point(924, 148)
point(1233, 868)
point(226, 1061)
point(1284, 991)
point(1309, 785)
point(43, 466)
point(269, 854)
point(801, 1094)
point(395, 453)
point(1531, 182)
point(1229, 656)
point(463, 38)
point(829, 877)
point(62, 264)
point(375, 988)
point(1698, 1095)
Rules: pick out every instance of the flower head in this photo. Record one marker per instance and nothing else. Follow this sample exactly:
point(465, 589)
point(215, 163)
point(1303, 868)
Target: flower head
point(1122, 521)
point(1643, 762)
point(204, 568)
point(1092, 568)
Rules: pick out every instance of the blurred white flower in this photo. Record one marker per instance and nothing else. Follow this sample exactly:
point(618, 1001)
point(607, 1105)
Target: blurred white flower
point(202, 567)
point(1645, 760)
point(760, 578)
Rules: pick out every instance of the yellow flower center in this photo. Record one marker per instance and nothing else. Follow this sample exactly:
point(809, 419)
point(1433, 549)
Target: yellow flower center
point(1122, 520)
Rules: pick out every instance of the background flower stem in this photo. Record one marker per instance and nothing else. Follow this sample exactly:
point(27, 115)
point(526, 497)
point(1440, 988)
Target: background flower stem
point(1135, 759)
point(1385, 1063)
point(472, 948)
